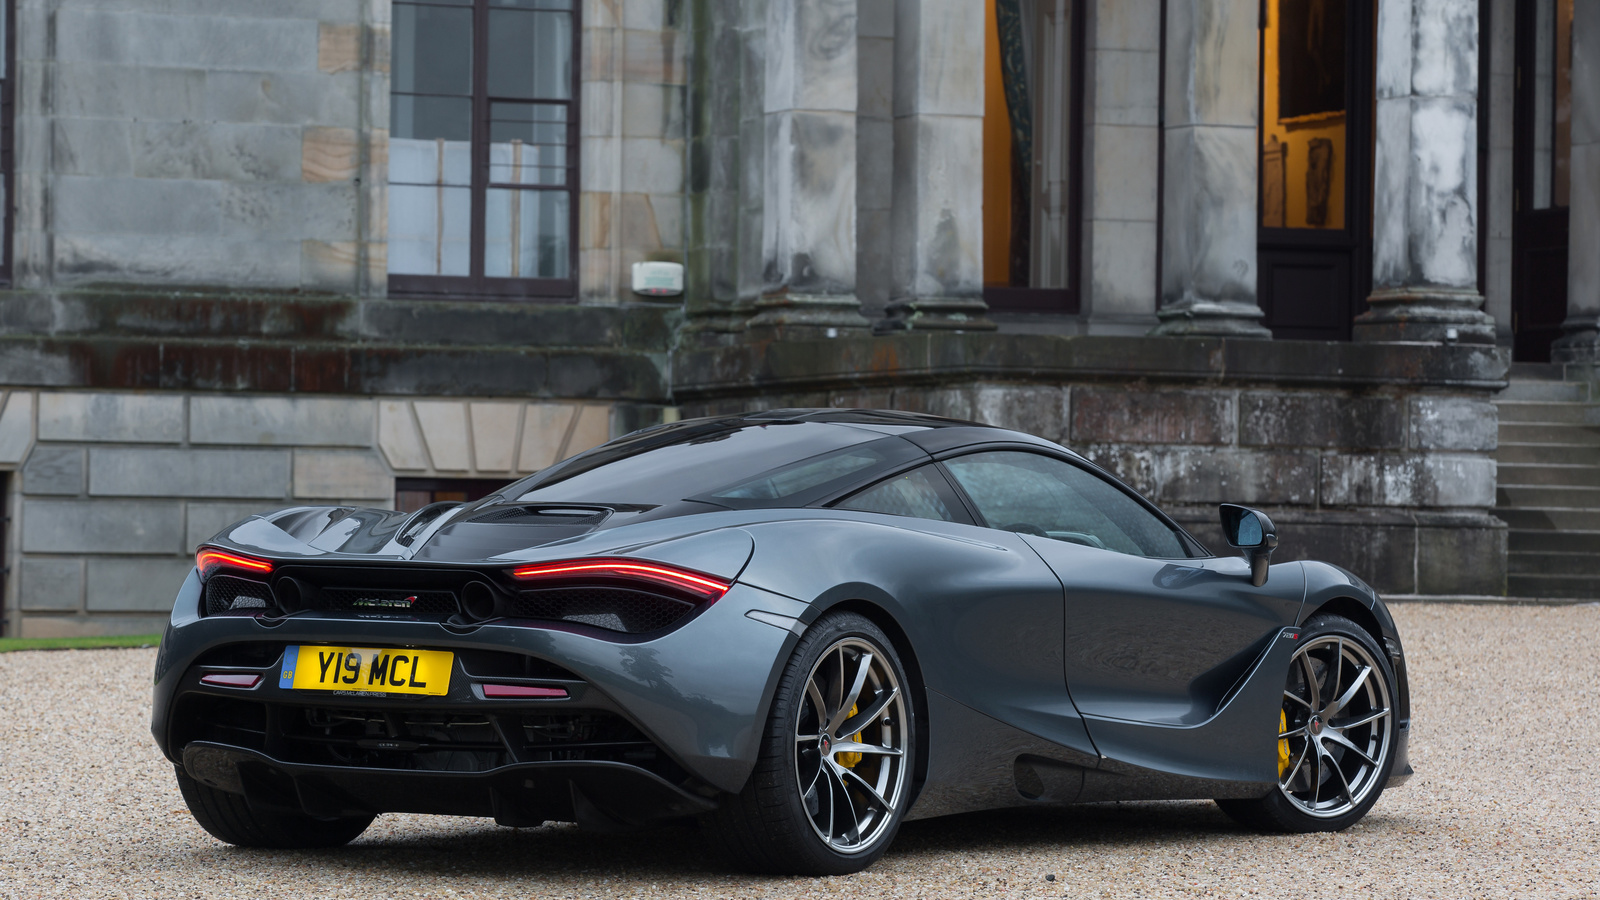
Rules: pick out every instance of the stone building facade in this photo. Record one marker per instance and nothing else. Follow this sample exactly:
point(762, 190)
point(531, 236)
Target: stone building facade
point(366, 251)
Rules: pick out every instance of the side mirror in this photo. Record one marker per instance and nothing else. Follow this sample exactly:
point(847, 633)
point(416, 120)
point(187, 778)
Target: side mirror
point(1251, 531)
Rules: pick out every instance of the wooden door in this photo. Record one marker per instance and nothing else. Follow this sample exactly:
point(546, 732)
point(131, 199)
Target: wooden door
point(1314, 235)
point(1542, 159)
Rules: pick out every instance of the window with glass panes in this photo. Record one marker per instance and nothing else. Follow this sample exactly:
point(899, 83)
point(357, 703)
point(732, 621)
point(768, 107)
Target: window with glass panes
point(483, 148)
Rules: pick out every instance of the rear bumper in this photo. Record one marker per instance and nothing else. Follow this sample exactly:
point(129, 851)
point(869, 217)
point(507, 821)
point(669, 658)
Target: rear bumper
point(605, 796)
point(699, 693)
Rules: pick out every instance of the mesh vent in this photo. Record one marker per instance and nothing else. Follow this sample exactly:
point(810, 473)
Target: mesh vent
point(418, 603)
point(611, 608)
point(224, 592)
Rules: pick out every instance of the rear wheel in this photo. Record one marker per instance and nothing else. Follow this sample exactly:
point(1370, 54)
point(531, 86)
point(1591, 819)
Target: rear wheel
point(229, 817)
point(1336, 733)
point(834, 775)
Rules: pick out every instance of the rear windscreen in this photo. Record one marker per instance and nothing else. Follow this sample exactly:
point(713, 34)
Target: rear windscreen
point(690, 459)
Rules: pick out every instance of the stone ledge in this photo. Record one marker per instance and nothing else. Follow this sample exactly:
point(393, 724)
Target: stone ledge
point(930, 359)
point(332, 368)
point(222, 314)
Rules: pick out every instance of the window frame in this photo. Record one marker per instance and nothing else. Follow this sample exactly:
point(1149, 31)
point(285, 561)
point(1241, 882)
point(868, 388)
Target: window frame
point(1192, 547)
point(476, 285)
point(955, 500)
point(1062, 300)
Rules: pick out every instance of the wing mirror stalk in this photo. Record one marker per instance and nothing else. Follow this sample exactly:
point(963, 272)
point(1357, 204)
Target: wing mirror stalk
point(1251, 531)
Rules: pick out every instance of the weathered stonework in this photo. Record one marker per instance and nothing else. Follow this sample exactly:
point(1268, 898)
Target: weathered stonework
point(1581, 341)
point(1368, 458)
point(121, 487)
point(1208, 264)
point(1425, 201)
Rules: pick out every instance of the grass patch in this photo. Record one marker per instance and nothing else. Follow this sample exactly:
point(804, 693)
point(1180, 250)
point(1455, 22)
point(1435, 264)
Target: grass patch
point(79, 643)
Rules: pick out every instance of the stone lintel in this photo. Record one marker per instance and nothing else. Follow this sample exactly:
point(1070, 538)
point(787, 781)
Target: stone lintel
point(1425, 314)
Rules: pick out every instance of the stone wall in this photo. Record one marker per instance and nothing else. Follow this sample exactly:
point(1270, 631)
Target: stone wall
point(201, 142)
point(631, 160)
point(1376, 458)
point(115, 489)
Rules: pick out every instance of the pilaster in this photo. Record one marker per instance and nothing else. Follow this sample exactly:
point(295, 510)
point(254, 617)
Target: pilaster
point(1425, 196)
point(1208, 281)
point(937, 209)
point(1581, 341)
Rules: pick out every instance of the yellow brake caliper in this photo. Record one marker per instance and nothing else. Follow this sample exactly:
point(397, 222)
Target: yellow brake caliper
point(849, 760)
point(1283, 743)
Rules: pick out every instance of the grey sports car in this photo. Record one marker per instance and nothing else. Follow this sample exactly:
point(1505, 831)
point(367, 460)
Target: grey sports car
point(802, 627)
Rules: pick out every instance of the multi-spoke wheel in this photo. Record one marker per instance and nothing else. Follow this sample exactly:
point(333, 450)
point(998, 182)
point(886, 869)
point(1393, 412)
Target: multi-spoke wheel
point(833, 778)
point(1336, 732)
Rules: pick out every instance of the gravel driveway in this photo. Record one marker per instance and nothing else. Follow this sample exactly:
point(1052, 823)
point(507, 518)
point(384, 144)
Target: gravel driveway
point(1506, 803)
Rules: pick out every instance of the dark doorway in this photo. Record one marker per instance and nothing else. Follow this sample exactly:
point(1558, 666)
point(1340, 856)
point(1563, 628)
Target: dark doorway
point(1542, 158)
point(1314, 235)
point(412, 494)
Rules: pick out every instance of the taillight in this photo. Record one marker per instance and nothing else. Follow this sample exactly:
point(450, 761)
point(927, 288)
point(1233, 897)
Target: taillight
point(210, 560)
point(703, 587)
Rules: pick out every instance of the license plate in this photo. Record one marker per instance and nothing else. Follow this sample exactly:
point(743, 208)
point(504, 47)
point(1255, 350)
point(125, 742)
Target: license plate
point(367, 670)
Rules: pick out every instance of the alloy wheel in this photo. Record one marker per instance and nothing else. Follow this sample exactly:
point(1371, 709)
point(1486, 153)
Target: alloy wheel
point(1337, 717)
point(850, 745)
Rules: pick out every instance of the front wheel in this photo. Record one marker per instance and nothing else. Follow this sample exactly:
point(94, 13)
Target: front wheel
point(834, 775)
point(1336, 733)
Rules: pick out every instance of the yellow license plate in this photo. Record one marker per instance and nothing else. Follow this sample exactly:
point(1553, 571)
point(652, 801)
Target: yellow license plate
point(366, 670)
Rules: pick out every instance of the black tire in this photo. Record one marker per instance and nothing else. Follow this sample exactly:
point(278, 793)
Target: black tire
point(1334, 771)
point(229, 817)
point(779, 825)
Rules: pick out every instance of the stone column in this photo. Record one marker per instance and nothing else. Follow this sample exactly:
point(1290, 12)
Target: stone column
point(937, 209)
point(1208, 239)
point(1581, 342)
point(808, 234)
point(1425, 196)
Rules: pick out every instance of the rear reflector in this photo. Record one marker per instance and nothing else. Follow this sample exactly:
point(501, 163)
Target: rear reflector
point(703, 586)
point(217, 679)
point(522, 692)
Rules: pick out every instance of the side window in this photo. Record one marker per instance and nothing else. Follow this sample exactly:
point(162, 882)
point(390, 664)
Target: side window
point(1035, 494)
point(916, 493)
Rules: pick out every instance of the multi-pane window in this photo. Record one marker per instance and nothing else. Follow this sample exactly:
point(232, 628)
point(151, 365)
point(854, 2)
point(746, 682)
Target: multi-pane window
point(482, 147)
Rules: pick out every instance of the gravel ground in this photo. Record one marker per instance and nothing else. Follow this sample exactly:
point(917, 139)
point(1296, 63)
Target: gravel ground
point(1505, 803)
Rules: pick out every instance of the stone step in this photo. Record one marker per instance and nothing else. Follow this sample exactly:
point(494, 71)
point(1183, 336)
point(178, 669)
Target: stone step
point(1538, 475)
point(1548, 454)
point(1524, 563)
point(1526, 541)
point(1550, 391)
point(1550, 413)
point(1543, 433)
point(1536, 371)
point(1547, 497)
point(1549, 587)
point(1548, 520)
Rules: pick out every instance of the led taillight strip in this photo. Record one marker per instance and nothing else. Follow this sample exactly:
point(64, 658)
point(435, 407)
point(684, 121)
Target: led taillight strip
point(701, 585)
point(209, 560)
